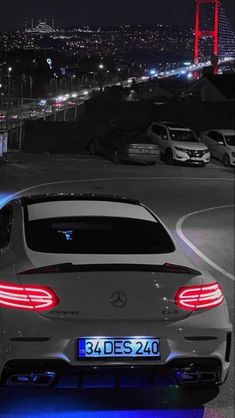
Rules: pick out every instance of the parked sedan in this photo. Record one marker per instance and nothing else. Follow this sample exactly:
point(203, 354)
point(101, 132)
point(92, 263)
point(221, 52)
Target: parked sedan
point(121, 146)
point(221, 143)
point(93, 290)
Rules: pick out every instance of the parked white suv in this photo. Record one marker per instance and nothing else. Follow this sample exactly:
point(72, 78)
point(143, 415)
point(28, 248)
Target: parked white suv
point(178, 143)
point(221, 143)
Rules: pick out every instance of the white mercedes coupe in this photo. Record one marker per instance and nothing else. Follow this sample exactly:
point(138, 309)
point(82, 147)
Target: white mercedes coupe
point(94, 292)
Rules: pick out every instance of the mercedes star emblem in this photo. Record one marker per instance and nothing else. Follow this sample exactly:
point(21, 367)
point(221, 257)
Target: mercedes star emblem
point(118, 299)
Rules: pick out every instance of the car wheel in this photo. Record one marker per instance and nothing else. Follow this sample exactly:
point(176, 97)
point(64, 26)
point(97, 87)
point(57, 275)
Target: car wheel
point(116, 158)
point(226, 160)
point(169, 157)
point(91, 148)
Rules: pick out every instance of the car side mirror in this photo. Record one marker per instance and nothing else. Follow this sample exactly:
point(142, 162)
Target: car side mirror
point(220, 143)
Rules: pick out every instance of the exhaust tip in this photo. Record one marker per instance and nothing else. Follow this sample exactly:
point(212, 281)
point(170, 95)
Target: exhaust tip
point(31, 379)
point(187, 377)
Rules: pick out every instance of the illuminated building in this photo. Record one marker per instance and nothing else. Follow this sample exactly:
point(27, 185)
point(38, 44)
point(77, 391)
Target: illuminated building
point(41, 27)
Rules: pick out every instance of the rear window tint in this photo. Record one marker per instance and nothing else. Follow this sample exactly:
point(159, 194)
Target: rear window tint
point(5, 226)
point(97, 235)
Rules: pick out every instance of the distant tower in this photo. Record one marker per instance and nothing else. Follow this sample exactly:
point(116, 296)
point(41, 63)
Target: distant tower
point(201, 32)
point(53, 23)
point(25, 24)
point(32, 24)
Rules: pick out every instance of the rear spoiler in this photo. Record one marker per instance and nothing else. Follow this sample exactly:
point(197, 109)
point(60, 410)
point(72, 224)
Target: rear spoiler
point(70, 268)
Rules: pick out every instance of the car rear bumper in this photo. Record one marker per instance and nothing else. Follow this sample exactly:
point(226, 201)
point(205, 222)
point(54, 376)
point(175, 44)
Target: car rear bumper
point(187, 372)
point(143, 158)
point(52, 358)
point(232, 162)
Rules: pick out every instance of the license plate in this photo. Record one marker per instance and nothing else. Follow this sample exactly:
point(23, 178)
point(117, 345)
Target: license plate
point(196, 158)
point(118, 347)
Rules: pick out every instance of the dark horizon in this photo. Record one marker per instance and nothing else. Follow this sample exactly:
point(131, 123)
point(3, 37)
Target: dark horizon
point(72, 13)
point(105, 25)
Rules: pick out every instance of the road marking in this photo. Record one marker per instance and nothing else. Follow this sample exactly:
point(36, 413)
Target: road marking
point(27, 189)
point(193, 247)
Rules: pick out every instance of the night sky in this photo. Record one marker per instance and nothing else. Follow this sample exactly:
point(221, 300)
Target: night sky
point(104, 12)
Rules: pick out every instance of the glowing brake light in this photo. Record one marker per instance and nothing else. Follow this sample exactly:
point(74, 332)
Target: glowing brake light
point(27, 297)
point(193, 298)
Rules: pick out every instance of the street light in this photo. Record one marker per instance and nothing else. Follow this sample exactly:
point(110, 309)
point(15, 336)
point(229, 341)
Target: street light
point(101, 67)
point(72, 78)
point(9, 69)
point(94, 77)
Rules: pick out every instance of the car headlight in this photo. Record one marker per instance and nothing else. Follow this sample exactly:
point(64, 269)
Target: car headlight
point(206, 151)
point(180, 149)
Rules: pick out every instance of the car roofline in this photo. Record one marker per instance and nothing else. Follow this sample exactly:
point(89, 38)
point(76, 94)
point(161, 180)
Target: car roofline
point(56, 197)
point(175, 128)
point(222, 131)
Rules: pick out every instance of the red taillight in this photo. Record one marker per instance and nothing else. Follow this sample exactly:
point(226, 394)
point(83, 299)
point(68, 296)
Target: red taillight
point(193, 298)
point(28, 297)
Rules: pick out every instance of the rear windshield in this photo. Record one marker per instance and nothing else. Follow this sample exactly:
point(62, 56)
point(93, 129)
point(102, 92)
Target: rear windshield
point(139, 139)
point(97, 235)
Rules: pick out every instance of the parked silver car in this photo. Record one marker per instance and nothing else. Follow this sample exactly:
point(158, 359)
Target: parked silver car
point(221, 143)
point(94, 286)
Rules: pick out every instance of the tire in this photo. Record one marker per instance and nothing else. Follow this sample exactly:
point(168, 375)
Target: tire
point(92, 148)
point(168, 158)
point(226, 160)
point(116, 158)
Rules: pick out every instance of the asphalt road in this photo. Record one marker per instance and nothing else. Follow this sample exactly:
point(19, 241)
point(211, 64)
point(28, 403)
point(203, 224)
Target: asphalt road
point(175, 194)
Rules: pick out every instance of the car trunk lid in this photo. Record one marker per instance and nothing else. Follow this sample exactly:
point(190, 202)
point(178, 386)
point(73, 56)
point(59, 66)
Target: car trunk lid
point(114, 291)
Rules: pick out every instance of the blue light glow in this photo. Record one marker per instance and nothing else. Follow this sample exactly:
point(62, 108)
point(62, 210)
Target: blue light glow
point(196, 413)
point(4, 198)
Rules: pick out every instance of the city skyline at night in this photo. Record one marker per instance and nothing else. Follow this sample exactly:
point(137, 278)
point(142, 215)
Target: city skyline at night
point(105, 12)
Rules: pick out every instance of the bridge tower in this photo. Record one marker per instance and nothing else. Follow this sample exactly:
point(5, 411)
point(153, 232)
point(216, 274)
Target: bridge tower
point(201, 32)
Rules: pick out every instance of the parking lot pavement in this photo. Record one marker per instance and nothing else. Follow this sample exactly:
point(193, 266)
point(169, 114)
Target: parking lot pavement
point(31, 158)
